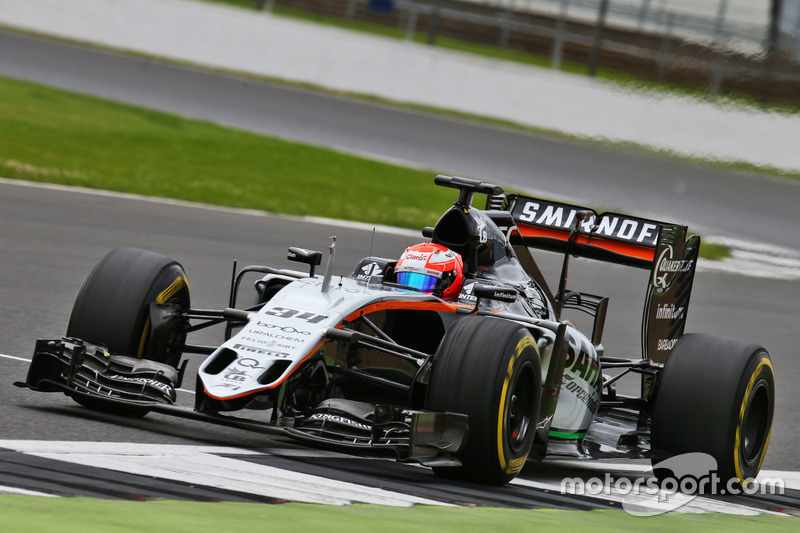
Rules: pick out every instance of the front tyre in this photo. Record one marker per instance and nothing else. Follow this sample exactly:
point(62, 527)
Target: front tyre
point(715, 395)
point(113, 304)
point(112, 309)
point(489, 369)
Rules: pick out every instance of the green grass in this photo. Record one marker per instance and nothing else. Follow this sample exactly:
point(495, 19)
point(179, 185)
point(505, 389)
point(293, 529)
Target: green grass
point(55, 136)
point(714, 251)
point(23, 514)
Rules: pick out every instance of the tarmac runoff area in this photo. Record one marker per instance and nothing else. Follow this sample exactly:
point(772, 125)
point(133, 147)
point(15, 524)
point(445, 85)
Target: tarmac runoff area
point(256, 43)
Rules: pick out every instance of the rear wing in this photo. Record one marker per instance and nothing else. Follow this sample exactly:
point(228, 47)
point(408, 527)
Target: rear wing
point(611, 237)
point(660, 247)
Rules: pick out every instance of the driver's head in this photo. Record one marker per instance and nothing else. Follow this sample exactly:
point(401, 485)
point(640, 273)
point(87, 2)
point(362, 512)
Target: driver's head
point(431, 268)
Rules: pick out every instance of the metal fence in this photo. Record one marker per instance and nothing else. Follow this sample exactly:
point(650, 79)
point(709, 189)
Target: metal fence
point(629, 36)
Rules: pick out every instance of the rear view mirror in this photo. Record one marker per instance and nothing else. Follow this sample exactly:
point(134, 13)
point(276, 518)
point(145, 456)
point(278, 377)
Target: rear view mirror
point(307, 257)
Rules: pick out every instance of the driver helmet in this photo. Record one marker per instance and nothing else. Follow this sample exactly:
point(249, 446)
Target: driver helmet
point(431, 268)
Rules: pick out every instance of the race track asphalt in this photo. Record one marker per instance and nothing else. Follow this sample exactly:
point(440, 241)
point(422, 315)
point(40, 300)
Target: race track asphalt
point(52, 237)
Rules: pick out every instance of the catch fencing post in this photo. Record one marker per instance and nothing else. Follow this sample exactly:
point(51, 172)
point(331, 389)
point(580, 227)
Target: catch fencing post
point(720, 49)
point(433, 23)
point(594, 58)
point(505, 30)
point(773, 49)
point(351, 9)
point(558, 45)
point(643, 14)
point(411, 27)
point(663, 56)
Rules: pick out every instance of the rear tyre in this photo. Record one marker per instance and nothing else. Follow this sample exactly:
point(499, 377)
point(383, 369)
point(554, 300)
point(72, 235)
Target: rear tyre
point(489, 369)
point(112, 309)
point(715, 395)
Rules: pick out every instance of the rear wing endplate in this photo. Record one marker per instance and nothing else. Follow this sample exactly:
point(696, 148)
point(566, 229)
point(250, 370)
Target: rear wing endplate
point(660, 247)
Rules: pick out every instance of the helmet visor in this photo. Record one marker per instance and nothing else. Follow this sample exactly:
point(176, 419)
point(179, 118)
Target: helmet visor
point(423, 282)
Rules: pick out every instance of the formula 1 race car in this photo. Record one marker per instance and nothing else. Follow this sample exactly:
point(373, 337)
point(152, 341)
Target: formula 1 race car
point(473, 384)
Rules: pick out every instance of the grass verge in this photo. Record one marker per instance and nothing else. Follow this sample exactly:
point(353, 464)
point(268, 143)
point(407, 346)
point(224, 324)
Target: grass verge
point(23, 514)
point(55, 136)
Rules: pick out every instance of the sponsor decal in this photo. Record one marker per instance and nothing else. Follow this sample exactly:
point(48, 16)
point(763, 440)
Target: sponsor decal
point(417, 256)
point(270, 343)
point(482, 234)
point(669, 292)
point(163, 387)
point(235, 374)
point(369, 270)
point(508, 295)
point(666, 265)
point(669, 311)
point(680, 265)
point(466, 293)
point(582, 366)
point(284, 329)
point(544, 423)
point(515, 465)
point(411, 264)
point(569, 383)
point(327, 417)
point(295, 314)
point(260, 351)
point(242, 371)
point(666, 344)
point(563, 216)
point(249, 362)
point(294, 253)
point(231, 386)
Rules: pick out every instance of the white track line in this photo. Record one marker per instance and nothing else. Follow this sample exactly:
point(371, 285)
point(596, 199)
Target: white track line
point(207, 207)
point(15, 358)
point(4, 489)
point(200, 465)
point(207, 466)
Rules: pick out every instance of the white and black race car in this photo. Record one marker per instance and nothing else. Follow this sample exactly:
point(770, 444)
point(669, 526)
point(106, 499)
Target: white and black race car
point(474, 386)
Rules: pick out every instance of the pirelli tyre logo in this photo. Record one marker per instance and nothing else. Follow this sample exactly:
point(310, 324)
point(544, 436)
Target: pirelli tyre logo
point(260, 351)
point(610, 225)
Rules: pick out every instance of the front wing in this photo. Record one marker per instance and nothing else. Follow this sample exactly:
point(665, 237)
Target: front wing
point(126, 385)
